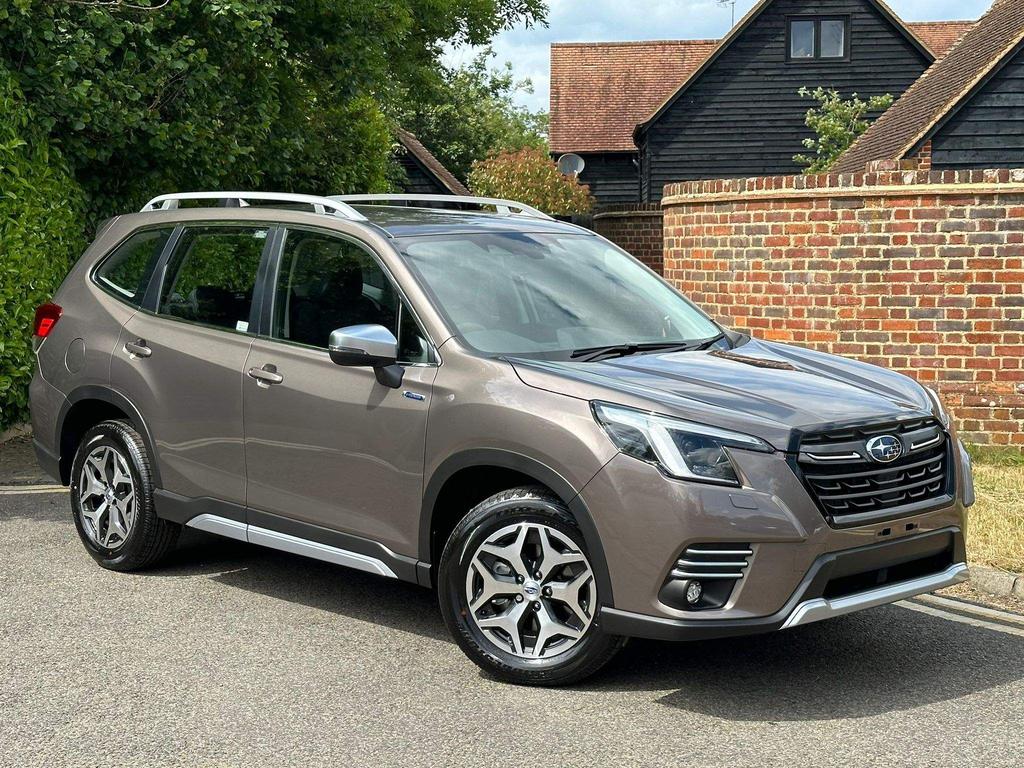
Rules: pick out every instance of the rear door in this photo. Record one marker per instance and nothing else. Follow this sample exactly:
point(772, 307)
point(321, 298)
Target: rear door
point(182, 364)
point(328, 447)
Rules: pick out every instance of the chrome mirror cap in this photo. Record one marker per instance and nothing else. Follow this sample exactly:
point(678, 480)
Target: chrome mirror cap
point(370, 346)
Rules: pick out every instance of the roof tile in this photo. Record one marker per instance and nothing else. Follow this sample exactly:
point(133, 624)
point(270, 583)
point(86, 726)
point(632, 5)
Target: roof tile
point(941, 89)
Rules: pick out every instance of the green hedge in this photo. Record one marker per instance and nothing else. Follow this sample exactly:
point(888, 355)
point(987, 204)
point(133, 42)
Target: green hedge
point(41, 233)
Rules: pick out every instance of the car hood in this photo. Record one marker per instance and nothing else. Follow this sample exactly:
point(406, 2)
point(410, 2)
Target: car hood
point(773, 391)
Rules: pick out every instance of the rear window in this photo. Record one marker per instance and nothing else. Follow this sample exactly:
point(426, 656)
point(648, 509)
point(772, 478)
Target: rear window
point(212, 275)
point(126, 272)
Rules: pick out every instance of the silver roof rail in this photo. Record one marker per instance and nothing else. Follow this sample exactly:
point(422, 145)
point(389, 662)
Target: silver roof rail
point(326, 205)
point(504, 207)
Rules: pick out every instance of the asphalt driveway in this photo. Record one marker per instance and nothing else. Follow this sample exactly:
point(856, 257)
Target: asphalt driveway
point(233, 655)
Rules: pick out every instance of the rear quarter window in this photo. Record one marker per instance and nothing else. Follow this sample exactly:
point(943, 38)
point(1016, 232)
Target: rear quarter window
point(126, 272)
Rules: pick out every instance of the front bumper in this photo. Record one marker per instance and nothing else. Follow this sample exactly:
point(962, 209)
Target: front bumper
point(814, 600)
point(801, 568)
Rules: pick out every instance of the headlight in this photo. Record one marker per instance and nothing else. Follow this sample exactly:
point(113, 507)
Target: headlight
point(940, 409)
point(680, 448)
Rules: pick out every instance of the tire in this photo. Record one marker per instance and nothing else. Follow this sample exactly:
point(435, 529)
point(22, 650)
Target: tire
point(117, 455)
point(510, 521)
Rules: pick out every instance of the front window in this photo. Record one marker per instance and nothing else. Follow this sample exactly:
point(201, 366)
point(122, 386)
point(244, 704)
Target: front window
point(328, 282)
point(548, 296)
point(813, 38)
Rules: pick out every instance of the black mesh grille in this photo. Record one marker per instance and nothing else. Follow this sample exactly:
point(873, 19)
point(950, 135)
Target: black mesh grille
point(851, 488)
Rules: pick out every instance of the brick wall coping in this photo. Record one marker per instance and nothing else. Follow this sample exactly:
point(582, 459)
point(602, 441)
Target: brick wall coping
point(656, 212)
point(881, 184)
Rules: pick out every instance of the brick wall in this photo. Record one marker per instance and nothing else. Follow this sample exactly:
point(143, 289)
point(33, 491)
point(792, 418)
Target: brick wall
point(913, 270)
point(635, 228)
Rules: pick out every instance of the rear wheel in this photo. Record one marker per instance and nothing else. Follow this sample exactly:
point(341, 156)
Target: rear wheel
point(112, 500)
point(518, 591)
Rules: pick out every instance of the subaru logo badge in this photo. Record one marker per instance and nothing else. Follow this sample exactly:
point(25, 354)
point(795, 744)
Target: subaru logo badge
point(885, 449)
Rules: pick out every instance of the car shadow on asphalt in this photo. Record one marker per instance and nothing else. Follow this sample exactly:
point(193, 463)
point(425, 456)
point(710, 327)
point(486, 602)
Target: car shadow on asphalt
point(880, 661)
point(308, 582)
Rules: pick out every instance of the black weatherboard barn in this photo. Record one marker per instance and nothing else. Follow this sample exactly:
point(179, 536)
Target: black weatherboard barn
point(740, 114)
point(966, 113)
point(643, 114)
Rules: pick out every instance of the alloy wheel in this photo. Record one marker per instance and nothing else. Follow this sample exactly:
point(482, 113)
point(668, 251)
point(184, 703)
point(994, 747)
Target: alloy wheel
point(106, 493)
point(531, 591)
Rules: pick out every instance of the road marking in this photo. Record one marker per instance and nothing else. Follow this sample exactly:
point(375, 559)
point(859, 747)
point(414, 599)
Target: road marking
point(19, 490)
point(991, 625)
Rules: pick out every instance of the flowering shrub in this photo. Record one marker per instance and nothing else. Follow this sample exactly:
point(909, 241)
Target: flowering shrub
point(530, 176)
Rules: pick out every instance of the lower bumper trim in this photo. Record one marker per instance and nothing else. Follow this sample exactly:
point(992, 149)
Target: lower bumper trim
point(822, 608)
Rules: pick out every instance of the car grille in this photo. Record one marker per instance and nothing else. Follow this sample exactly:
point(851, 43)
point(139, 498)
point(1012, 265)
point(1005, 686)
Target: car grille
point(851, 488)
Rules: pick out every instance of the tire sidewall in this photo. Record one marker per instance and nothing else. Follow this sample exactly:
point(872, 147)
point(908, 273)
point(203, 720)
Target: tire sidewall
point(481, 523)
point(113, 434)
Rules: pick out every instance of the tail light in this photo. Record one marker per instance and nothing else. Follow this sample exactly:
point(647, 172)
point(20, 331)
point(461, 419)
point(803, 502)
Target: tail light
point(47, 316)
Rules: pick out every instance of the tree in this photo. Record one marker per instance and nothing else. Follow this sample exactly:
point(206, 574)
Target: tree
point(470, 113)
point(836, 123)
point(530, 176)
point(40, 233)
point(146, 96)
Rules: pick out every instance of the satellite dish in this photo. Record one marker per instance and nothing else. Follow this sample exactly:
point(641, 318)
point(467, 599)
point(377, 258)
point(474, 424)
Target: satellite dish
point(571, 164)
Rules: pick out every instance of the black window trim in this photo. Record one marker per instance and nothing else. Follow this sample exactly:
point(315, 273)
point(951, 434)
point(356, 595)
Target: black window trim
point(151, 303)
point(268, 294)
point(817, 57)
point(156, 265)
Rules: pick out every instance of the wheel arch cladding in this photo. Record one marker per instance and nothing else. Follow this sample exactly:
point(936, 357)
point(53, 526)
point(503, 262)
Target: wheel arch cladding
point(87, 406)
point(509, 467)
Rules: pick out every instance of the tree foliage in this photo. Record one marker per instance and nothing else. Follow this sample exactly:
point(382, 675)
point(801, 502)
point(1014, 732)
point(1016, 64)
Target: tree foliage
point(469, 113)
point(530, 176)
point(837, 123)
point(40, 215)
point(145, 97)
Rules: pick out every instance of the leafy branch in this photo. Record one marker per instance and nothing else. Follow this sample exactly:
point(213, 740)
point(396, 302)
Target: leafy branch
point(836, 123)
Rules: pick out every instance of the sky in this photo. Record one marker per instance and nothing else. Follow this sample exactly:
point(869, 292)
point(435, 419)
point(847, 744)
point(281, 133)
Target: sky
point(603, 20)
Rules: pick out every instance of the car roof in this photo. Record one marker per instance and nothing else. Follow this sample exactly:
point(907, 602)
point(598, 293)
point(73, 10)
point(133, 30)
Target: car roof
point(404, 221)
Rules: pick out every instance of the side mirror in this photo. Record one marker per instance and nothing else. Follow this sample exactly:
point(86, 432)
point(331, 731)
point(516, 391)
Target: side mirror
point(368, 346)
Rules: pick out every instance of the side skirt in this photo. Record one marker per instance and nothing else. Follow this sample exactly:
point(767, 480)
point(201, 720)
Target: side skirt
point(287, 535)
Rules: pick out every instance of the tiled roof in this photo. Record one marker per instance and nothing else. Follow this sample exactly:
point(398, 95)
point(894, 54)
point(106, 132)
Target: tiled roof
point(430, 163)
point(941, 89)
point(600, 91)
point(939, 36)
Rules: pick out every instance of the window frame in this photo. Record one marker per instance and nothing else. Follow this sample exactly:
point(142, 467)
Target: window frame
point(817, 57)
point(140, 302)
point(151, 304)
point(269, 295)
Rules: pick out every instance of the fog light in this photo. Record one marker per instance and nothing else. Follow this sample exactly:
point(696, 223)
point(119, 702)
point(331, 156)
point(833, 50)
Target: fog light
point(694, 590)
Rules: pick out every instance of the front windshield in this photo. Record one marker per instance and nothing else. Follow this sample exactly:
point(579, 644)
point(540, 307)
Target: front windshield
point(542, 295)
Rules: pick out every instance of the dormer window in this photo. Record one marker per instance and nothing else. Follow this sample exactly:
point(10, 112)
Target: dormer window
point(814, 38)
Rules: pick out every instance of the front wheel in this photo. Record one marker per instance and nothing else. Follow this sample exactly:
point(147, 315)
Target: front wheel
point(518, 591)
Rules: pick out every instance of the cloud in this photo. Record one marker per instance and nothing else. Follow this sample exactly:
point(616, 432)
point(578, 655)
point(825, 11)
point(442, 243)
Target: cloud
point(604, 20)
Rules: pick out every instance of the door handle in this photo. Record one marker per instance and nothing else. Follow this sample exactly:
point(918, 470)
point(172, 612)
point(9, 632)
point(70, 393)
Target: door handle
point(266, 375)
point(137, 349)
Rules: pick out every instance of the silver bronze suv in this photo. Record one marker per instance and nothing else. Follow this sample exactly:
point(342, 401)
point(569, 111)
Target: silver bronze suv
point(469, 395)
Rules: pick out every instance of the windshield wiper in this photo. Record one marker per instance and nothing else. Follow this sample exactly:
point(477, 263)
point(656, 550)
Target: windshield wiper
point(593, 354)
point(707, 344)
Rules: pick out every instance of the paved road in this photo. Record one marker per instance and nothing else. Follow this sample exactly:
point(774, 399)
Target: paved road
point(237, 656)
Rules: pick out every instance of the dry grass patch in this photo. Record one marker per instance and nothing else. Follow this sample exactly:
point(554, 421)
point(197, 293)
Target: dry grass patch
point(995, 528)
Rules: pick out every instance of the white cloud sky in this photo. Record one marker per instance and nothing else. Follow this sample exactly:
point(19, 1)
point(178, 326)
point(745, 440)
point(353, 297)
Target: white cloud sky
point(602, 20)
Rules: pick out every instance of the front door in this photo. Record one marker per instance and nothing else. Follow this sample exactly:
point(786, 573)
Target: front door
point(326, 445)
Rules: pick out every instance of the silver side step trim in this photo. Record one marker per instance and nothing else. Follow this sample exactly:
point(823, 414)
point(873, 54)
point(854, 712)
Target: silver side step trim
point(821, 608)
point(233, 529)
point(222, 526)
